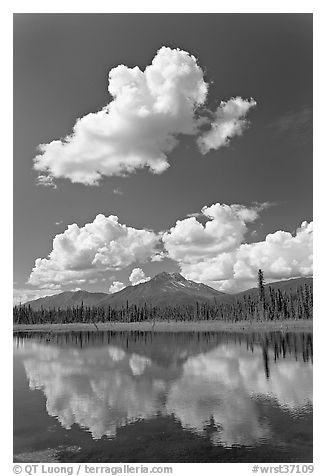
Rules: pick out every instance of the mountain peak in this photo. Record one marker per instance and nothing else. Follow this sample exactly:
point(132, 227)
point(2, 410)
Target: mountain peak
point(169, 276)
point(164, 289)
point(177, 276)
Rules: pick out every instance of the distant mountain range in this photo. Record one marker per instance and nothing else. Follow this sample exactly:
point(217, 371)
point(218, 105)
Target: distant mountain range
point(164, 289)
point(68, 299)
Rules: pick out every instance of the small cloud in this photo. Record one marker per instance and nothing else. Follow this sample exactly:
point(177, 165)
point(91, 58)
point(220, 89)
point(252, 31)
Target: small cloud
point(46, 181)
point(116, 286)
point(260, 206)
point(229, 121)
point(50, 286)
point(159, 257)
point(138, 276)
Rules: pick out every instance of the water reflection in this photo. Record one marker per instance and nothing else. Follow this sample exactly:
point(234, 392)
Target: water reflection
point(213, 383)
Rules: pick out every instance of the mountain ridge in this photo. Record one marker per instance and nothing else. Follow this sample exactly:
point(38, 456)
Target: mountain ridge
point(164, 289)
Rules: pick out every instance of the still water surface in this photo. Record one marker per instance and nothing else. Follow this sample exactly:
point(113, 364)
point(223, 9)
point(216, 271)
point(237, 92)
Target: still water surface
point(163, 397)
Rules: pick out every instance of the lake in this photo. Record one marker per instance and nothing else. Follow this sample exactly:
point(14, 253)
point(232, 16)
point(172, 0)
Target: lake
point(163, 397)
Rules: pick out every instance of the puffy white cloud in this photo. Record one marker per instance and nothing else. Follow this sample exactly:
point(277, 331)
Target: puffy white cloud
point(229, 121)
point(81, 253)
point(137, 128)
point(190, 241)
point(142, 124)
point(209, 247)
point(116, 286)
point(138, 276)
point(224, 263)
point(281, 255)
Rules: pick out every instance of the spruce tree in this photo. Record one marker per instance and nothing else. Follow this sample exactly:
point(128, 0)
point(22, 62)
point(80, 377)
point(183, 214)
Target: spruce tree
point(261, 285)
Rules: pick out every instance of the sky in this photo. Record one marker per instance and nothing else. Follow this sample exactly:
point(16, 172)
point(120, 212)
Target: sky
point(171, 142)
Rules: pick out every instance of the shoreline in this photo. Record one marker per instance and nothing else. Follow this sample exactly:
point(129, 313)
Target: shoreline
point(172, 326)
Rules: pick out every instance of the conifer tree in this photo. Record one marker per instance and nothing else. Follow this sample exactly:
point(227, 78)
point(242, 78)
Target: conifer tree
point(261, 285)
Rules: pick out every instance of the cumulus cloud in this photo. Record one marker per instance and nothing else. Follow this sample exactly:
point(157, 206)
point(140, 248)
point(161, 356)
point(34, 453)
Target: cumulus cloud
point(116, 286)
point(229, 121)
point(138, 128)
point(81, 253)
point(214, 253)
point(190, 241)
point(142, 124)
point(281, 256)
point(138, 276)
point(209, 247)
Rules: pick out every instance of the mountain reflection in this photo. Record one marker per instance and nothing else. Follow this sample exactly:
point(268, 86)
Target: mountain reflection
point(210, 382)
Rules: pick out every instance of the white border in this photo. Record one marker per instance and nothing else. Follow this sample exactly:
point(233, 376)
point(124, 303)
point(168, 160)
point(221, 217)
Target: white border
point(169, 6)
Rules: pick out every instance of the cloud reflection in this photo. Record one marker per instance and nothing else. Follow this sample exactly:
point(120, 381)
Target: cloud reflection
point(216, 393)
point(223, 385)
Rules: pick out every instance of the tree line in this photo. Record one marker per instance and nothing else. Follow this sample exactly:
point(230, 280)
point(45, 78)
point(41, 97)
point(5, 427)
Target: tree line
point(268, 305)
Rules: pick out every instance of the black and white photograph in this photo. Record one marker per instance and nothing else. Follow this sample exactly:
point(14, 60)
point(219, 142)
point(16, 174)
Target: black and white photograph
point(163, 240)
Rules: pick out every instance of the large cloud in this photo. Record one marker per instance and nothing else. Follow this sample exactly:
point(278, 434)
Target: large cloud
point(190, 241)
point(209, 247)
point(214, 253)
point(81, 253)
point(141, 125)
